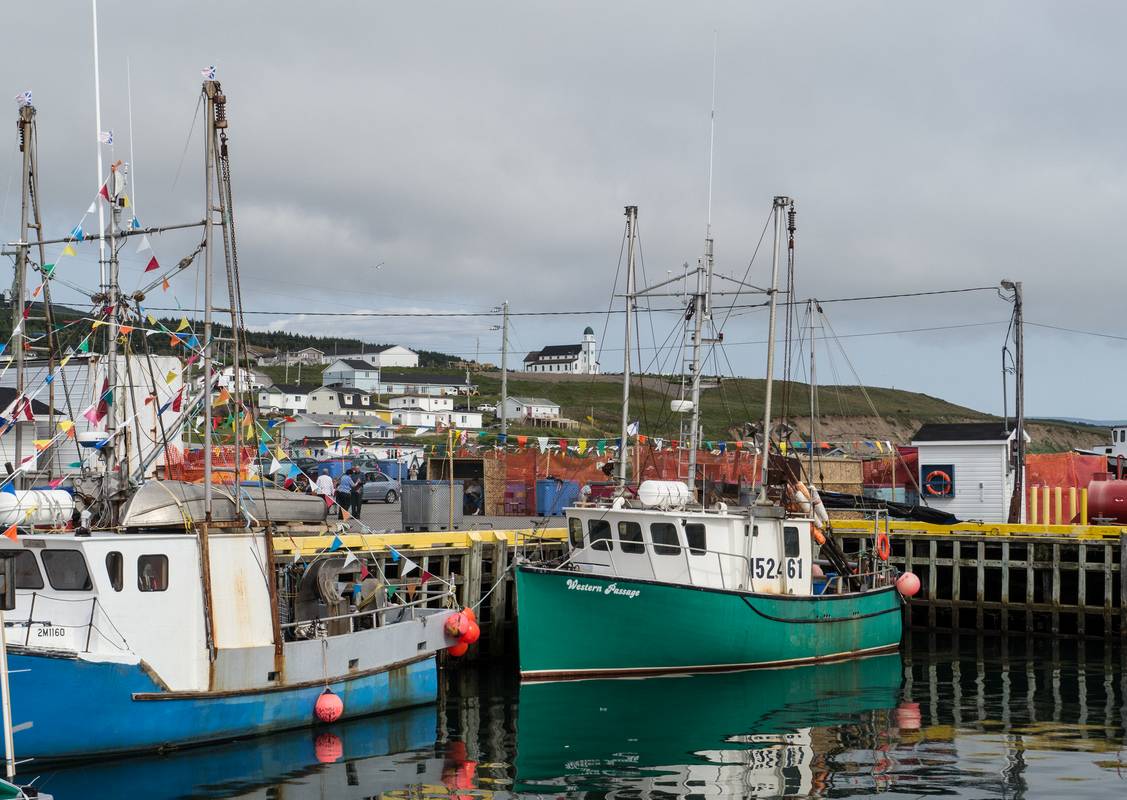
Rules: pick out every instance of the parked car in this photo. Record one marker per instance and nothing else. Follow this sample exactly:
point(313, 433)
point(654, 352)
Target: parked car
point(378, 488)
point(487, 408)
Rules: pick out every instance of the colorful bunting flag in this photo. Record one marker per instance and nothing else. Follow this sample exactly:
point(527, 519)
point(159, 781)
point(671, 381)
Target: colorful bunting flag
point(336, 545)
point(12, 533)
point(152, 264)
point(69, 251)
point(184, 325)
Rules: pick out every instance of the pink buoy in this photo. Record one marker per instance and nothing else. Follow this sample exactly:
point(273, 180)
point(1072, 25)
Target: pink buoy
point(454, 624)
point(328, 707)
point(908, 584)
point(472, 633)
point(328, 748)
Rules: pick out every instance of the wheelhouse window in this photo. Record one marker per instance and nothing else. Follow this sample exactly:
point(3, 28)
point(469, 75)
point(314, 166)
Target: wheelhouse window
point(66, 570)
point(599, 532)
point(27, 571)
point(695, 538)
point(790, 542)
point(575, 531)
point(114, 568)
point(152, 573)
point(630, 538)
point(664, 537)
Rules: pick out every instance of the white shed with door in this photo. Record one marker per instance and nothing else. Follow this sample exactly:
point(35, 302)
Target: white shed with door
point(966, 469)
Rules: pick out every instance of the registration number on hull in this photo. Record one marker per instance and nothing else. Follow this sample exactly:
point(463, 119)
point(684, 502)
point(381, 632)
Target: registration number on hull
point(766, 568)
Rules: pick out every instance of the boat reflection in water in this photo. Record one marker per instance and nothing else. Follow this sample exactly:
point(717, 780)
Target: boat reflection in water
point(358, 759)
point(753, 733)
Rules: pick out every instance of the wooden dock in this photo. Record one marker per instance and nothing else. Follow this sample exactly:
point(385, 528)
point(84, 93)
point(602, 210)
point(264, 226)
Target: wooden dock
point(1060, 580)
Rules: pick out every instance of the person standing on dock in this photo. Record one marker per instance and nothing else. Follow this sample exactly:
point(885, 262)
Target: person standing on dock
point(324, 485)
point(357, 492)
point(344, 494)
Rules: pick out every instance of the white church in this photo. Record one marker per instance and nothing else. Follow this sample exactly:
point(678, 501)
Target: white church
point(576, 359)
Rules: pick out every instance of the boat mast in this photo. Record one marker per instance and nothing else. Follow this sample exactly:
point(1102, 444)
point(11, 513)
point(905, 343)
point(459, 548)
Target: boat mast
point(210, 89)
point(813, 393)
point(702, 300)
point(19, 290)
point(780, 203)
point(624, 433)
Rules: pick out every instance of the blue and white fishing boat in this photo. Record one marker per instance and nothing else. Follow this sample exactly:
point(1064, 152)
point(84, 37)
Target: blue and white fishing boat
point(159, 616)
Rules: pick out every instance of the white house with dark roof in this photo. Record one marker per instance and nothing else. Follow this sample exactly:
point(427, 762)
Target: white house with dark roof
point(427, 403)
point(966, 469)
point(353, 373)
point(346, 401)
point(419, 383)
point(576, 359)
point(288, 398)
point(531, 408)
point(393, 355)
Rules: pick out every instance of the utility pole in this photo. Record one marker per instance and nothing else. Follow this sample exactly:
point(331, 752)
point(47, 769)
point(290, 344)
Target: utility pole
point(631, 238)
point(504, 367)
point(780, 204)
point(1017, 502)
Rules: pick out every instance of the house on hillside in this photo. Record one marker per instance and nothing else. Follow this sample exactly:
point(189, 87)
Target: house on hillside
point(307, 355)
point(263, 356)
point(346, 401)
point(353, 373)
point(575, 359)
point(427, 403)
point(967, 469)
point(249, 379)
point(531, 408)
point(391, 356)
point(284, 398)
point(418, 383)
point(331, 427)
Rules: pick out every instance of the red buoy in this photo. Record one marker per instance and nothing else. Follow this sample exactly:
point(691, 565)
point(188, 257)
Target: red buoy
point(454, 624)
point(328, 707)
point(908, 584)
point(472, 633)
point(458, 649)
point(328, 748)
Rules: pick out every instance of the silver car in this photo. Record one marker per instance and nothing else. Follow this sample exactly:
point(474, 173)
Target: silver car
point(378, 488)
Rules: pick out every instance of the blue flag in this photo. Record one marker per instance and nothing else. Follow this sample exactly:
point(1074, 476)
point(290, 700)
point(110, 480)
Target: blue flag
point(394, 556)
point(9, 487)
point(336, 545)
point(77, 234)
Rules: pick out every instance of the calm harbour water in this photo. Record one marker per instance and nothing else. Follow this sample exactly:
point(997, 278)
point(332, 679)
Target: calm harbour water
point(955, 717)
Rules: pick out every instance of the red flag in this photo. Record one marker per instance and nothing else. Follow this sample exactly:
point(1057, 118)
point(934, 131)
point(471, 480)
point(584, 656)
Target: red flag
point(104, 192)
point(426, 576)
point(329, 501)
point(563, 444)
point(12, 533)
point(178, 399)
point(57, 482)
point(26, 311)
point(152, 264)
point(363, 570)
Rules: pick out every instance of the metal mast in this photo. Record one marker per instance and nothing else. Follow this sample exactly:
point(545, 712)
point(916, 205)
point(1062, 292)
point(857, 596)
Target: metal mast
point(631, 238)
point(1017, 502)
point(210, 89)
point(702, 300)
point(19, 288)
point(504, 367)
point(780, 204)
point(813, 394)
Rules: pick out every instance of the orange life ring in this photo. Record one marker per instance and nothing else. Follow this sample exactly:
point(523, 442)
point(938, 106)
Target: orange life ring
point(945, 488)
point(884, 547)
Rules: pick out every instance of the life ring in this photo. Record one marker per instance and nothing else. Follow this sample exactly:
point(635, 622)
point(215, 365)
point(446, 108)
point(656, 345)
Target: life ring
point(884, 547)
point(945, 485)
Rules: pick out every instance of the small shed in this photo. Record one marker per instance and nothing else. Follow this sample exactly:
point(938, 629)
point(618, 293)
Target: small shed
point(966, 468)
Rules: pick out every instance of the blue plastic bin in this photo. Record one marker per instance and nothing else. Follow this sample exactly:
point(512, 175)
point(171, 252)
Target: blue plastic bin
point(553, 496)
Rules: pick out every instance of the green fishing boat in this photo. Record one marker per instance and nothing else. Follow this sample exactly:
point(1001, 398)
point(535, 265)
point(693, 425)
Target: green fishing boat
point(659, 580)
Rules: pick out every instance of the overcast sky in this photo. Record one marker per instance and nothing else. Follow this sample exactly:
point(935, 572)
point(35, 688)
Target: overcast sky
point(484, 151)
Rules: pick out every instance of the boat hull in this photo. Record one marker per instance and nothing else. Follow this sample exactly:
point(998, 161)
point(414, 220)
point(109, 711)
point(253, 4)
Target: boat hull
point(574, 624)
point(79, 708)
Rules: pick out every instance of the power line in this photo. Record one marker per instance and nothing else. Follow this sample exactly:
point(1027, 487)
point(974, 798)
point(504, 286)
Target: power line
point(587, 312)
point(1075, 330)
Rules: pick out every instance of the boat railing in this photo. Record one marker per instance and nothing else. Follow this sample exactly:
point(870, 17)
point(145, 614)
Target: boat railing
point(373, 613)
point(91, 625)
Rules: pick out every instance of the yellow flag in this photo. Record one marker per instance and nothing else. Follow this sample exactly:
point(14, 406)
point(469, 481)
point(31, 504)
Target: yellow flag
point(65, 425)
point(42, 444)
point(152, 320)
point(582, 446)
point(280, 454)
point(170, 377)
point(99, 323)
point(183, 325)
point(69, 251)
point(125, 201)
point(63, 363)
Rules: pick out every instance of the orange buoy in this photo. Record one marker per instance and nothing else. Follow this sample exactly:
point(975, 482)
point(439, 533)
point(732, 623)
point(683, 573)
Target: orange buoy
point(469, 614)
point(458, 649)
point(472, 633)
point(328, 707)
point(453, 624)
